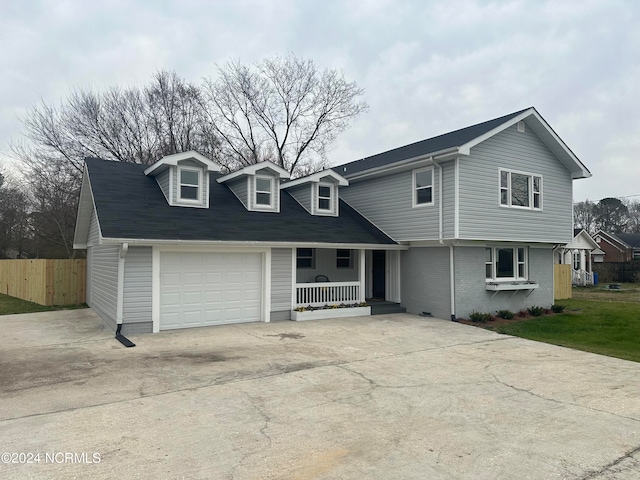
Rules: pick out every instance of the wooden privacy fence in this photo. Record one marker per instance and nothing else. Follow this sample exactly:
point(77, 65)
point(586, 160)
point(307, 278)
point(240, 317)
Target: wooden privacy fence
point(45, 281)
point(562, 281)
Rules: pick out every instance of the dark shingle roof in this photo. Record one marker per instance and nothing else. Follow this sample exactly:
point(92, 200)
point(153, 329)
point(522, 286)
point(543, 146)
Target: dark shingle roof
point(631, 239)
point(453, 139)
point(131, 205)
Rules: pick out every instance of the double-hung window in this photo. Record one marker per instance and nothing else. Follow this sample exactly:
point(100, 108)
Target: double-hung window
point(325, 197)
point(189, 184)
point(306, 258)
point(506, 263)
point(423, 187)
point(264, 191)
point(520, 190)
point(343, 259)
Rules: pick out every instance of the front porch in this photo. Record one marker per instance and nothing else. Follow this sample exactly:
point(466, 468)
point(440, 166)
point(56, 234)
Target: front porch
point(331, 277)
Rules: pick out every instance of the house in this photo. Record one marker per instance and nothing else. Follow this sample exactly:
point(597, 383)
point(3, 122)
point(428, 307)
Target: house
point(460, 222)
point(582, 252)
point(619, 247)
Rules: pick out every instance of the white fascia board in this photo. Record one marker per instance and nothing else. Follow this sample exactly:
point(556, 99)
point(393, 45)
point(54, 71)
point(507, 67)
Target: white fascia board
point(178, 157)
point(252, 169)
point(317, 177)
point(227, 244)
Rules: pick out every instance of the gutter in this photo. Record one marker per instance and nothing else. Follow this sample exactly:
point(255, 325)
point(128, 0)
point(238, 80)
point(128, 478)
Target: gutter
point(120, 297)
point(441, 241)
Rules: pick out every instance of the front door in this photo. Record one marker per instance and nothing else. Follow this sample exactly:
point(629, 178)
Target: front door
point(378, 274)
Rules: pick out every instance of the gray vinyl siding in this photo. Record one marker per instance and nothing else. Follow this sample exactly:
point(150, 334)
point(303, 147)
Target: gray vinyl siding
point(137, 287)
point(163, 181)
point(104, 282)
point(448, 199)
point(387, 202)
point(281, 283)
point(326, 265)
point(240, 190)
point(94, 230)
point(425, 284)
point(302, 194)
point(470, 283)
point(482, 217)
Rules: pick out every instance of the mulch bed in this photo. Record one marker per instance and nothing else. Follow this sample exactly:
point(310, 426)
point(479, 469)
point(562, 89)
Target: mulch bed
point(499, 321)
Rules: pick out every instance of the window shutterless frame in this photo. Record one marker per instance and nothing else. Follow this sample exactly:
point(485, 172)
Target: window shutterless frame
point(189, 185)
point(519, 190)
point(324, 197)
point(422, 187)
point(506, 263)
point(305, 258)
point(263, 192)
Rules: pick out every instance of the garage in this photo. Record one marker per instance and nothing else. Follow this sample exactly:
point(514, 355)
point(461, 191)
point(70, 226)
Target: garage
point(202, 289)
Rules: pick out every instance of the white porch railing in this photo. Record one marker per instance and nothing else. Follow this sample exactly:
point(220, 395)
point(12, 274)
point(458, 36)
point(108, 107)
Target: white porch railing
point(323, 293)
point(582, 277)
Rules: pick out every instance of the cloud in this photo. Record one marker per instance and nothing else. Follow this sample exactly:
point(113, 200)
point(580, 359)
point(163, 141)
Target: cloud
point(427, 67)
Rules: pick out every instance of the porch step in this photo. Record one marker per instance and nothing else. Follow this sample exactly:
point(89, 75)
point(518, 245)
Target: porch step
point(384, 308)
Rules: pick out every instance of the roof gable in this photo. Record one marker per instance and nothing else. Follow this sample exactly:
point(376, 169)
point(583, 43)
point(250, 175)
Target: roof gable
point(460, 142)
point(317, 177)
point(172, 160)
point(254, 169)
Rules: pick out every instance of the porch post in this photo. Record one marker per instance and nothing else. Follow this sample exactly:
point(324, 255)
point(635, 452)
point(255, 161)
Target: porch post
point(361, 277)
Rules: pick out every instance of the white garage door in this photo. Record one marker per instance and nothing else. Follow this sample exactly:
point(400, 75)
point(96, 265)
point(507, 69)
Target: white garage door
point(199, 289)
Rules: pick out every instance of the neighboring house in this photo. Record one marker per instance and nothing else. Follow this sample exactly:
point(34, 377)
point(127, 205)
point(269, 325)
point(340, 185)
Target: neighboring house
point(619, 247)
point(460, 222)
point(581, 253)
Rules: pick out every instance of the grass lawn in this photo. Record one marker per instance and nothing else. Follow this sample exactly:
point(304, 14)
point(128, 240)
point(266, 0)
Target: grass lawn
point(596, 320)
point(10, 305)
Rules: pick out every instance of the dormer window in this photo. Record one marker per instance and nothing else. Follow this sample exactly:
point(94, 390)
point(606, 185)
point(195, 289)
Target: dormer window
point(264, 192)
point(318, 192)
point(190, 184)
point(325, 196)
point(184, 178)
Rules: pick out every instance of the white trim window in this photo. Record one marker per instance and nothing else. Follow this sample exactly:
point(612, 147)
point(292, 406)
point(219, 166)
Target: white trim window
point(423, 187)
point(324, 197)
point(189, 184)
point(263, 192)
point(306, 258)
point(506, 263)
point(520, 190)
point(344, 258)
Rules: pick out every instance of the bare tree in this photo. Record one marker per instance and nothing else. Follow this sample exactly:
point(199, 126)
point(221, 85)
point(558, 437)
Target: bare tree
point(284, 109)
point(633, 225)
point(129, 125)
point(14, 219)
point(584, 216)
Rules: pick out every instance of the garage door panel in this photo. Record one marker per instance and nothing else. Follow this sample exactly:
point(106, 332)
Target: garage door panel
point(198, 289)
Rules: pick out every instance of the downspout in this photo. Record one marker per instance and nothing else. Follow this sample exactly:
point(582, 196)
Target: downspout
point(441, 241)
point(120, 297)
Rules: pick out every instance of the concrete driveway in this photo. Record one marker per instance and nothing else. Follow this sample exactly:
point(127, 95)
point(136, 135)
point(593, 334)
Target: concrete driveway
point(386, 397)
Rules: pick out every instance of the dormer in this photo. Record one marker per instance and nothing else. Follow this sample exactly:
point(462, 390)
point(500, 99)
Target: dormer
point(184, 178)
point(318, 193)
point(256, 186)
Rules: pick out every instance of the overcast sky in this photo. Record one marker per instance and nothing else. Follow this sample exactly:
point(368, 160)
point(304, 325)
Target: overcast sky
point(427, 67)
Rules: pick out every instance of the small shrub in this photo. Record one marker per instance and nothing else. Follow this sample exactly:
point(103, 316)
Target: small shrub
point(506, 314)
point(480, 317)
point(535, 311)
point(522, 314)
point(556, 308)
